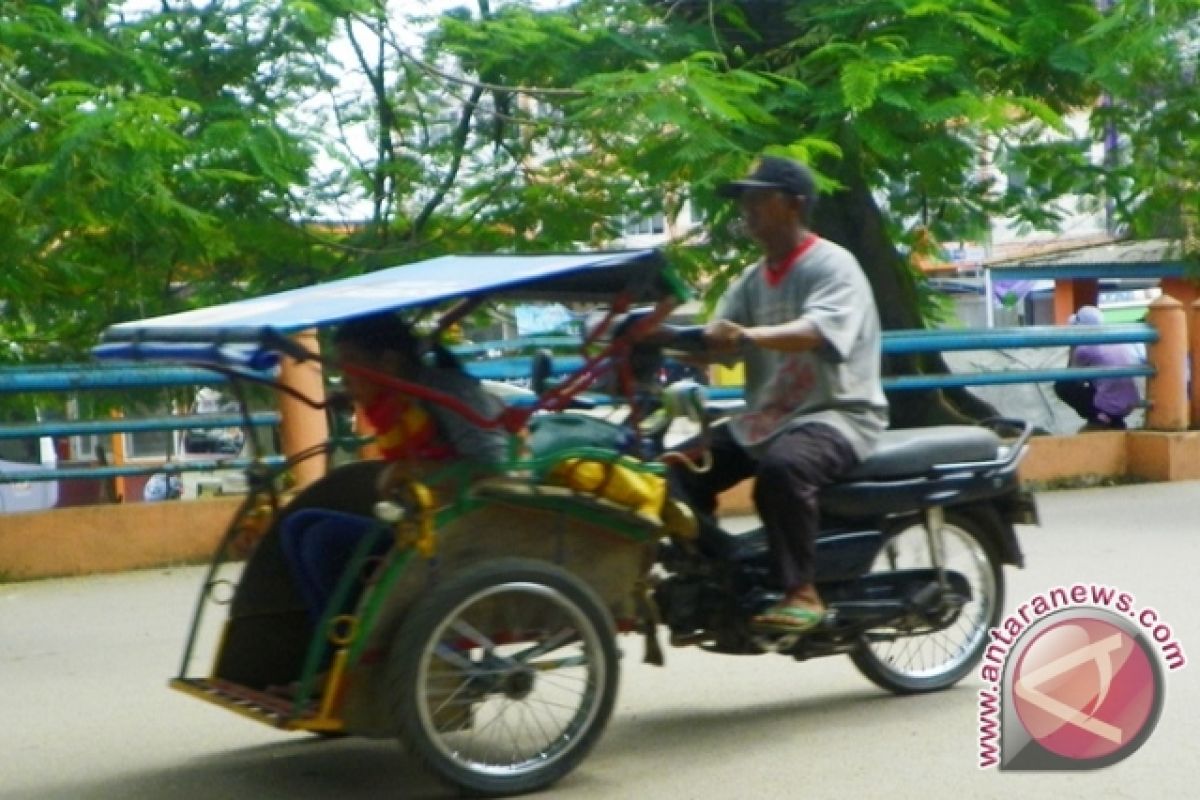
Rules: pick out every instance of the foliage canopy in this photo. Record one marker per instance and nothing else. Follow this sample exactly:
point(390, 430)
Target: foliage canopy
point(199, 151)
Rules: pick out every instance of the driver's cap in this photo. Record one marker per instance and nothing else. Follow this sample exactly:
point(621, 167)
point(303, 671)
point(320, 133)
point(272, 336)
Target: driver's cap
point(773, 172)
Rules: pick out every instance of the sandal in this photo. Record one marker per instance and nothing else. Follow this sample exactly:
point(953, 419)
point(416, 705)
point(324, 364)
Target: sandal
point(790, 618)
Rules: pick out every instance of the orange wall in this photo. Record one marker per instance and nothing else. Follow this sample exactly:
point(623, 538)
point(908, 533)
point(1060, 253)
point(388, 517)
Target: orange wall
point(111, 538)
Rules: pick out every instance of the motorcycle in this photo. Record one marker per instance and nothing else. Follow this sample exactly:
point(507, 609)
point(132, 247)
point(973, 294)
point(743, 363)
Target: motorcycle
point(909, 556)
point(477, 620)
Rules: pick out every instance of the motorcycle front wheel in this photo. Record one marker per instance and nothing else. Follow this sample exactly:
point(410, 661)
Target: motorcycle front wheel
point(930, 658)
point(504, 676)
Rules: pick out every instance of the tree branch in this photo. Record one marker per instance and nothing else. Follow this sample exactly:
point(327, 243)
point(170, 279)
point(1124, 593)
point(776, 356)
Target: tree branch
point(430, 69)
point(387, 154)
point(461, 132)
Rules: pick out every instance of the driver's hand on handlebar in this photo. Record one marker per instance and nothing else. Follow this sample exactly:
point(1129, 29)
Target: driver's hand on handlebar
point(724, 336)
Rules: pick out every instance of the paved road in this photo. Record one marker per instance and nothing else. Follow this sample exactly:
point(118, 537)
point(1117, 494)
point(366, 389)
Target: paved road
point(87, 715)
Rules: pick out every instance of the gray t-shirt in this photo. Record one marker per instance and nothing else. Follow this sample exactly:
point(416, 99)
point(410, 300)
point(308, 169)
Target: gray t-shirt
point(487, 445)
point(838, 383)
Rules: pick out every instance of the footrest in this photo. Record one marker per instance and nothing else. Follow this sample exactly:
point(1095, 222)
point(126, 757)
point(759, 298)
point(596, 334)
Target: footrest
point(278, 712)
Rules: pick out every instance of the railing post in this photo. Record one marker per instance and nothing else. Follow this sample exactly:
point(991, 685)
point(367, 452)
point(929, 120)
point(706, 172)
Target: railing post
point(1167, 388)
point(300, 426)
point(117, 443)
point(1194, 361)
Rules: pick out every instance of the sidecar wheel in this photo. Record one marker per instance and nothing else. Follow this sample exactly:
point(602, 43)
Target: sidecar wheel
point(504, 676)
point(911, 663)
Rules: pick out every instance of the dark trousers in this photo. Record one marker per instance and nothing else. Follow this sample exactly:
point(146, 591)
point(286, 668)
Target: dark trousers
point(788, 477)
point(1081, 396)
point(319, 545)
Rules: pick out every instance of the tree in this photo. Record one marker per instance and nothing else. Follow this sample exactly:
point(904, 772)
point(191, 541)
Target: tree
point(517, 126)
point(145, 162)
point(893, 101)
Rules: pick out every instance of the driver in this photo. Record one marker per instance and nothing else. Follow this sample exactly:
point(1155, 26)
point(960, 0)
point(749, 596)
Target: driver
point(804, 320)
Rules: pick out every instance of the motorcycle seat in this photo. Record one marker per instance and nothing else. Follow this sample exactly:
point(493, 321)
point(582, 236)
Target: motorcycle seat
point(915, 451)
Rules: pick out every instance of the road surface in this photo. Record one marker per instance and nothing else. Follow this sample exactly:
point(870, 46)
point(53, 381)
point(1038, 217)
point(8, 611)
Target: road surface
point(87, 715)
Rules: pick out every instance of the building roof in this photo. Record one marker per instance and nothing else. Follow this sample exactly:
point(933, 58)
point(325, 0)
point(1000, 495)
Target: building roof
point(1123, 252)
point(1145, 258)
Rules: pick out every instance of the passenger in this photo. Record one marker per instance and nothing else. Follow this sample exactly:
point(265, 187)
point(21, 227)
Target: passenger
point(804, 319)
point(407, 428)
point(1103, 402)
point(421, 437)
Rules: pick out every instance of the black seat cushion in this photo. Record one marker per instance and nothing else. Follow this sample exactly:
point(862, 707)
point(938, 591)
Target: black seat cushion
point(914, 451)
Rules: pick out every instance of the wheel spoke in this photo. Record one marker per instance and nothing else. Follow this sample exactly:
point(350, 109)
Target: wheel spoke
point(553, 643)
point(559, 663)
point(451, 656)
point(470, 632)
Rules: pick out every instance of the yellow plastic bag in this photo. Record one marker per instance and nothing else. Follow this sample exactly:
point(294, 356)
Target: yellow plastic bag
point(640, 491)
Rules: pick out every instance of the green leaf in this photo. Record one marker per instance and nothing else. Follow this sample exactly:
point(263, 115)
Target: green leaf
point(986, 31)
point(859, 81)
point(1071, 58)
point(713, 102)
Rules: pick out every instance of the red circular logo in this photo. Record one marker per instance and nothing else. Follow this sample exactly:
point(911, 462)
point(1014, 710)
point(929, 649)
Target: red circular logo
point(1084, 688)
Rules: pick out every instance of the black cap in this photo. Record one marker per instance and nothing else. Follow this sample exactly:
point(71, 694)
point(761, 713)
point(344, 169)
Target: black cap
point(773, 172)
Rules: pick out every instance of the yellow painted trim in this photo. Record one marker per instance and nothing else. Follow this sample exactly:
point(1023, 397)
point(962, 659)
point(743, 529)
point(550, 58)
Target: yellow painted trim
point(327, 718)
point(116, 444)
point(317, 725)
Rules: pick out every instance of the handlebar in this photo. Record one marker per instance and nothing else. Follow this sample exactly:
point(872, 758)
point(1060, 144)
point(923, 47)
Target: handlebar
point(687, 339)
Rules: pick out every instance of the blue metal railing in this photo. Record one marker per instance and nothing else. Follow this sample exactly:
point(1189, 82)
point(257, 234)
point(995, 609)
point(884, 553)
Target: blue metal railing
point(99, 427)
point(908, 342)
point(128, 470)
point(94, 377)
point(121, 377)
point(946, 340)
point(913, 342)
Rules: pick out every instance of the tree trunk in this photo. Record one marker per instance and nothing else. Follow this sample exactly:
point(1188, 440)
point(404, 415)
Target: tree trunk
point(853, 219)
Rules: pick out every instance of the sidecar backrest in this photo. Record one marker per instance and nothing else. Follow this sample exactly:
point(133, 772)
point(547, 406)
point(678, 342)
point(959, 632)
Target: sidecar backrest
point(556, 432)
point(915, 451)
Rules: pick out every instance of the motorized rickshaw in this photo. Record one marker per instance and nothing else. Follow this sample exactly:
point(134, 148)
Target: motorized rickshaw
point(478, 620)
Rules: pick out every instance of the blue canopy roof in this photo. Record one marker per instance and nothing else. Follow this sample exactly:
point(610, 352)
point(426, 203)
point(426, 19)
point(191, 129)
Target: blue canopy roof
point(265, 320)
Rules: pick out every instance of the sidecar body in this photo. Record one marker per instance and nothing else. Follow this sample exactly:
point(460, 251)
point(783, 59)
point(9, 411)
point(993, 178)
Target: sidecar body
point(452, 607)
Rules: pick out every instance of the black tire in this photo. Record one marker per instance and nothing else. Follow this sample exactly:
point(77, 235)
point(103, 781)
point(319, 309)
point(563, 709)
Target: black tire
point(511, 635)
point(909, 663)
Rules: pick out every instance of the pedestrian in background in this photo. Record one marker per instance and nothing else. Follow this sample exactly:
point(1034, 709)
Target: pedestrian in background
point(1103, 402)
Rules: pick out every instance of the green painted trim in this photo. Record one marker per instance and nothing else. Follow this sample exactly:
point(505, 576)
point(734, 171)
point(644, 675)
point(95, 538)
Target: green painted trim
point(372, 604)
point(319, 643)
point(374, 598)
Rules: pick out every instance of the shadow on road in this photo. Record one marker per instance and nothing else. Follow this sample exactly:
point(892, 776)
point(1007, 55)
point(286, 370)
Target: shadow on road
point(366, 769)
point(308, 768)
point(699, 729)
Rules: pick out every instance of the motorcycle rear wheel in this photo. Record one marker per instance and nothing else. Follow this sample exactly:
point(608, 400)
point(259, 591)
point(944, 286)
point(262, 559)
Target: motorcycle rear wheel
point(928, 661)
point(504, 676)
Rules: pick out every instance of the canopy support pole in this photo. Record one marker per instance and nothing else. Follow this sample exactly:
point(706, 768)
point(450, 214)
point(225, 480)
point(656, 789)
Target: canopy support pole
point(302, 427)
